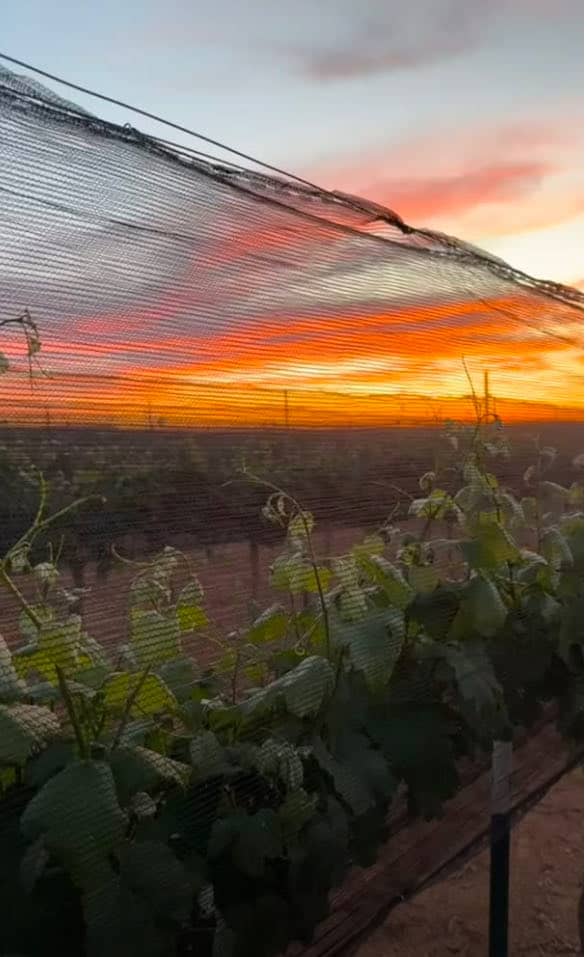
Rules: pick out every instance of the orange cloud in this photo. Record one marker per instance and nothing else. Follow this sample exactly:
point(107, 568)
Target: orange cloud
point(348, 369)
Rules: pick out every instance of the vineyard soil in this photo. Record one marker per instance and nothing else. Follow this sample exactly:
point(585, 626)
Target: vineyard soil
point(450, 918)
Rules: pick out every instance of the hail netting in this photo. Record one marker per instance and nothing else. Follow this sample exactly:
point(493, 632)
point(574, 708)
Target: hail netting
point(253, 585)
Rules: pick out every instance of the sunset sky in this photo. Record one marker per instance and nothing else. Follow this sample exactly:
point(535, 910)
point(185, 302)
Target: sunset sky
point(463, 117)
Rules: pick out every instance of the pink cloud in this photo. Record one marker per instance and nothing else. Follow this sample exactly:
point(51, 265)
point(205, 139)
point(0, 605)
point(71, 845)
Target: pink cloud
point(484, 181)
point(419, 200)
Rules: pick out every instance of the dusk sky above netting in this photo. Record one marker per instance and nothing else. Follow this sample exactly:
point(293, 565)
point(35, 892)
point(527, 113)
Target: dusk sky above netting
point(462, 116)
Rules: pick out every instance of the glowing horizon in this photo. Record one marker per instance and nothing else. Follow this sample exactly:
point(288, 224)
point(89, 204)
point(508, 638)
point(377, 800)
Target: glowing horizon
point(357, 370)
point(163, 290)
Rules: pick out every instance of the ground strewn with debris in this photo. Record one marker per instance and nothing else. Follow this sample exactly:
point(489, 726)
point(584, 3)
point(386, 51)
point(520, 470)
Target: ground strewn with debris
point(450, 919)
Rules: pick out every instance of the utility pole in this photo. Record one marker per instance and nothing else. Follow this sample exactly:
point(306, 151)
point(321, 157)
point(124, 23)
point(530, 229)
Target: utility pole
point(486, 391)
point(286, 408)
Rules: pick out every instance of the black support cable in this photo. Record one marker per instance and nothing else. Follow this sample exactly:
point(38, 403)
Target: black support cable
point(158, 119)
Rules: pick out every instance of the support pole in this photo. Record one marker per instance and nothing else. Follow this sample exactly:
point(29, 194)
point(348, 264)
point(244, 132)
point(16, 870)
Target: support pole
point(500, 849)
point(486, 392)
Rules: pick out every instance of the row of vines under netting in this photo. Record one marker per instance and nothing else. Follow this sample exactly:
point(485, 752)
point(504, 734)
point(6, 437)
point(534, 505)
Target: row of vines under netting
point(192, 758)
point(162, 489)
point(188, 790)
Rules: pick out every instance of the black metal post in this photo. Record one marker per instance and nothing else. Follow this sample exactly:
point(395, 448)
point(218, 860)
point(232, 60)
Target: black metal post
point(499, 887)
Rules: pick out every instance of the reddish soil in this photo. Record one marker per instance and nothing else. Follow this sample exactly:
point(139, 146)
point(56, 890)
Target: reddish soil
point(450, 918)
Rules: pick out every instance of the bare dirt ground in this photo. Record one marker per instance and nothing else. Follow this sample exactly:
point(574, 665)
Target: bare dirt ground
point(450, 918)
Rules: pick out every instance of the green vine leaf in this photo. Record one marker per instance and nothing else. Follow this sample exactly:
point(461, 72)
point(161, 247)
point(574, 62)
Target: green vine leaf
point(18, 558)
point(554, 497)
point(405, 735)
point(556, 549)
point(348, 785)
point(28, 628)
point(388, 578)
point(139, 769)
point(60, 642)
point(11, 686)
point(119, 923)
point(296, 574)
point(78, 816)
point(435, 611)
point(437, 505)
point(352, 603)
point(482, 608)
point(305, 687)
point(207, 755)
point(257, 673)
point(371, 547)
point(189, 611)
point(155, 637)
point(271, 625)
point(576, 495)
point(142, 806)
point(33, 864)
point(279, 759)
point(252, 839)
point(296, 811)
point(573, 530)
point(367, 763)
point(57, 754)
point(153, 695)
point(491, 547)
point(180, 676)
point(478, 686)
point(24, 730)
point(374, 645)
point(152, 872)
point(423, 578)
point(30, 660)
point(302, 691)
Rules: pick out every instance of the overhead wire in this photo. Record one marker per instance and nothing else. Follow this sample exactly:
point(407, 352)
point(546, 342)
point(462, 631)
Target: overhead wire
point(158, 119)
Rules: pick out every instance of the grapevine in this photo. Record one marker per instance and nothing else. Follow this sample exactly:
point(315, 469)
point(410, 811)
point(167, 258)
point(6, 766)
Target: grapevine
point(156, 806)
